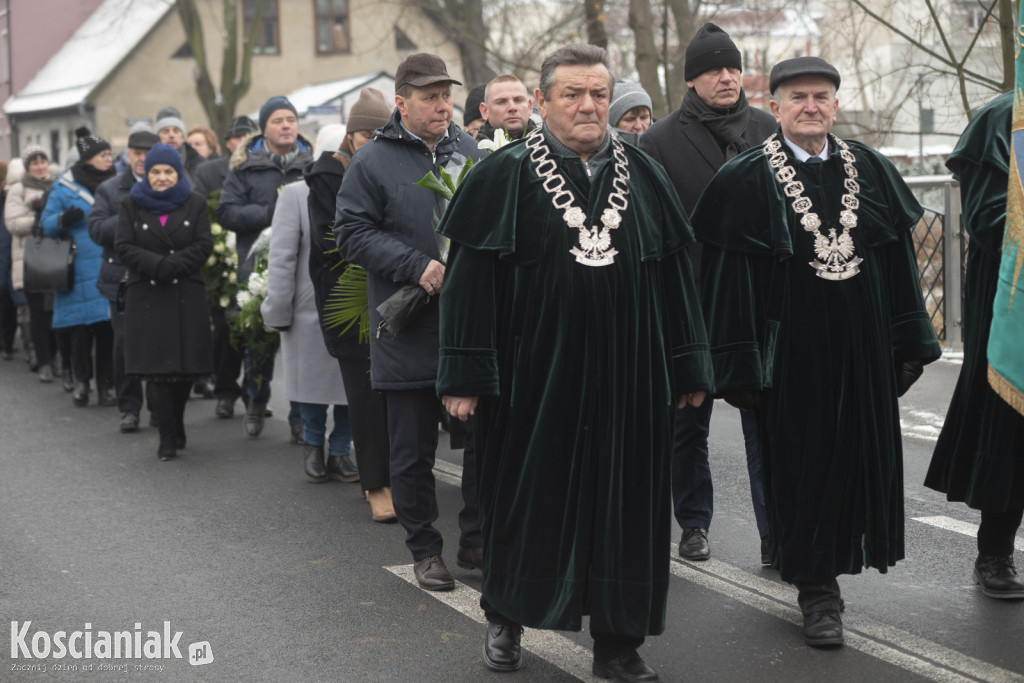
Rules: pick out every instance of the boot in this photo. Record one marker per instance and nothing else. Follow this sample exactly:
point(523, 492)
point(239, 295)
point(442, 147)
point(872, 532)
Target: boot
point(998, 577)
point(161, 402)
point(341, 468)
point(252, 423)
point(315, 470)
point(821, 605)
point(381, 506)
point(80, 395)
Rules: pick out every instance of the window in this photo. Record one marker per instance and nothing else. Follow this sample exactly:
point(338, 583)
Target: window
point(332, 26)
point(266, 42)
point(55, 146)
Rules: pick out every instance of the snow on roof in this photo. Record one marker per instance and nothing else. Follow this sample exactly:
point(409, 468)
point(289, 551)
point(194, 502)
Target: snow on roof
point(95, 49)
point(331, 93)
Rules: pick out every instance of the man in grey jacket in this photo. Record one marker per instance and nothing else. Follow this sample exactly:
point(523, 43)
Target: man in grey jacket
point(385, 223)
point(102, 226)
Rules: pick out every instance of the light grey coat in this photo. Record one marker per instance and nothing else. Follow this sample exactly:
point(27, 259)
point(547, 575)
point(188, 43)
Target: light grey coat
point(311, 375)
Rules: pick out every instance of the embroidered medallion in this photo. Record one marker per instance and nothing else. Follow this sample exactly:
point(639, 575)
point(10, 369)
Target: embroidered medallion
point(837, 259)
point(595, 243)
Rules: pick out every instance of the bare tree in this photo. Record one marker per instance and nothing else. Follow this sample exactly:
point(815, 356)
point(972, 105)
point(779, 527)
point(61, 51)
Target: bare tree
point(594, 11)
point(236, 66)
point(463, 21)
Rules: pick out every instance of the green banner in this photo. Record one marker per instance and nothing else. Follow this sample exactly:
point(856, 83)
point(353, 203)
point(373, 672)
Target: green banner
point(1006, 342)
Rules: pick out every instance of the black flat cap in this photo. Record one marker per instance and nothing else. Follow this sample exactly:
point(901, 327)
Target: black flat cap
point(802, 66)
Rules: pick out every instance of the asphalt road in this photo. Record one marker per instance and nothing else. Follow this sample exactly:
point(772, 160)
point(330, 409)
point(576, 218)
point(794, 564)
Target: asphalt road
point(280, 580)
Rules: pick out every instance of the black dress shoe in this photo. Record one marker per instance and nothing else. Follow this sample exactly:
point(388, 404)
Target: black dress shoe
point(166, 452)
point(315, 470)
point(432, 575)
point(80, 396)
point(998, 577)
point(694, 546)
point(627, 667)
point(823, 628)
point(470, 558)
point(129, 423)
point(341, 468)
point(502, 651)
point(225, 409)
point(106, 397)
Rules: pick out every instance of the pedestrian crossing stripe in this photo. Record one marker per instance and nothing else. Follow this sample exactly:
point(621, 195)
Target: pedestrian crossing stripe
point(965, 528)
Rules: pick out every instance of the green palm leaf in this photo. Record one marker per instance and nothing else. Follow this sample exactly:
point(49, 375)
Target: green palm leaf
point(347, 303)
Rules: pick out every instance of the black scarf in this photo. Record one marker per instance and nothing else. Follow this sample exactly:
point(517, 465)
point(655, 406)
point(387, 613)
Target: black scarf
point(90, 177)
point(727, 125)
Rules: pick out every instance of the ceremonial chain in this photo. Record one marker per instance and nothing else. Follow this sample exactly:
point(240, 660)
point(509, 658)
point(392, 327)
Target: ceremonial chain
point(595, 244)
point(836, 253)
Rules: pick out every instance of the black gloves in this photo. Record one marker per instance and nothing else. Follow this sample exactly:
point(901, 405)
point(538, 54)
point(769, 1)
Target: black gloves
point(744, 399)
point(907, 374)
point(70, 217)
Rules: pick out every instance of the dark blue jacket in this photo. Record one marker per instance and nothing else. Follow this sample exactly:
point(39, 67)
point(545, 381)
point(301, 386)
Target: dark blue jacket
point(249, 194)
point(102, 226)
point(385, 223)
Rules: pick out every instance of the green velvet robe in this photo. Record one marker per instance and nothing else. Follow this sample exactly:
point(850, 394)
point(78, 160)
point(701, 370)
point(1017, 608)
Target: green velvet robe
point(979, 457)
point(578, 368)
point(824, 353)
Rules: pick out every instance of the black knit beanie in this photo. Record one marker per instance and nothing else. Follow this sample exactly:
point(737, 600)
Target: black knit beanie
point(89, 145)
point(711, 48)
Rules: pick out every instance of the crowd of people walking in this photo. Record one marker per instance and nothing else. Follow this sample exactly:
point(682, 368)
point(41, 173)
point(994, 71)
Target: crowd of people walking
point(589, 290)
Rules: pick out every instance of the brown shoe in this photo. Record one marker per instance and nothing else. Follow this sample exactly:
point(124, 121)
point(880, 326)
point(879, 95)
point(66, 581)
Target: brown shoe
point(432, 575)
point(470, 558)
point(381, 506)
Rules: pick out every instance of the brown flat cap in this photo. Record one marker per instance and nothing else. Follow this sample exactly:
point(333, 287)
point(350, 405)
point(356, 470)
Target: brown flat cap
point(422, 69)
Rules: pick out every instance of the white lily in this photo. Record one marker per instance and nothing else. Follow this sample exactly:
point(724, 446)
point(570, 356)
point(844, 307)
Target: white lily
point(499, 141)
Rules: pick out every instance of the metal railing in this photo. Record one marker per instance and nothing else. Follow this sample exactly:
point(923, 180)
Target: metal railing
point(940, 245)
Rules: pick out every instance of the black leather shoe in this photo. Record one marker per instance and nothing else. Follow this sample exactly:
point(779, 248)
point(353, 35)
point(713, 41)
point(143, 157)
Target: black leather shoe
point(341, 468)
point(166, 452)
point(694, 546)
point(766, 559)
point(627, 667)
point(129, 423)
point(315, 470)
point(432, 575)
point(470, 558)
point(106, 397)
point(998, 577)
point(252, 423)
point(502, 651)
point(80, 396)
point(823, 628)
point(225, 409)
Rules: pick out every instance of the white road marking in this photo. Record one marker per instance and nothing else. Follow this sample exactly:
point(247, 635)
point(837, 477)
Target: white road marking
point(563, 653)
point(965, 528)
point(890, 644)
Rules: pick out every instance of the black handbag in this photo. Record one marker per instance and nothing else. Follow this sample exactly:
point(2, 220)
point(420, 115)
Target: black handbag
point(49, 264)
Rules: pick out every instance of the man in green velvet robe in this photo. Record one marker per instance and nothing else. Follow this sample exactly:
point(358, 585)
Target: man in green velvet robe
point(816, 321)
point(979, 457)
point(571, 329)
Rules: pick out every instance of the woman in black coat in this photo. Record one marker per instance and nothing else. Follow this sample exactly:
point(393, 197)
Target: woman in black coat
point(163, 238)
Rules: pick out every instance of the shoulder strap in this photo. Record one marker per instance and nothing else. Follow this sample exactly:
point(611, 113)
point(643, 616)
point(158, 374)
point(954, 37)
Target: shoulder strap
point(67, 181)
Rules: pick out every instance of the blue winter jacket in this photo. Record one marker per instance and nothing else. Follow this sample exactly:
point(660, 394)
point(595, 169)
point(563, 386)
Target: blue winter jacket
point(83, 305)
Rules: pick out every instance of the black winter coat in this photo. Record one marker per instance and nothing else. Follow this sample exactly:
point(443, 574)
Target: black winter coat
point(692, 155)
point(249, 194)
point(209, 176)
point(324, 180)
point(167, 320)
point(102, 222)
point(385, 223)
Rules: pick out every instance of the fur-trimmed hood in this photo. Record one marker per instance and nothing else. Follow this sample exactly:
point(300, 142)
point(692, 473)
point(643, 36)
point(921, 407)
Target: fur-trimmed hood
point(242, 152)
